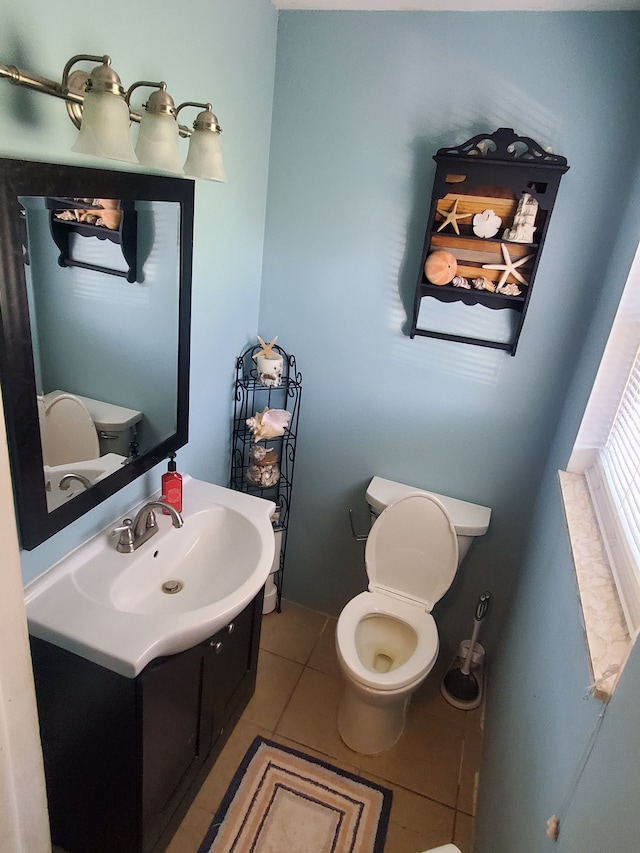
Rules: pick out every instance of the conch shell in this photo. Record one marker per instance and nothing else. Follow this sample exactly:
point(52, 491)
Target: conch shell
point(268, 423)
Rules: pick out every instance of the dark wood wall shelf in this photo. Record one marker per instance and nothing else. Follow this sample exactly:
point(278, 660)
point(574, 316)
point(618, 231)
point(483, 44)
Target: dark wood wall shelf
point(497, 172)
point(126, 235)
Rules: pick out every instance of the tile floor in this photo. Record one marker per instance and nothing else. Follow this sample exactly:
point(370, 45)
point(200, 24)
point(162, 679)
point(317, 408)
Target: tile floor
point(432, 770)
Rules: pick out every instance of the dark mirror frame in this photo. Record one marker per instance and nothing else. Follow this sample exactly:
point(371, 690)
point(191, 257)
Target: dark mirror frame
point(17, 375)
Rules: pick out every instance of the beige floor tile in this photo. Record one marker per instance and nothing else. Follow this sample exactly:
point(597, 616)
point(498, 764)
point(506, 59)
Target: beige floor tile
point(323, 656)
point(218, 780)
point(463, 834)
point(293, 632)
point(426, 759)
point(310, 718)
point(430, 700)
point(314, 753)
point(191, 831)
point(469, 769)
point(275, 682)
point(403, 839)
point(413, 811)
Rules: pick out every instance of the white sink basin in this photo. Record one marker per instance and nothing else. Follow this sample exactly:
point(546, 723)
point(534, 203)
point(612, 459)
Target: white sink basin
point(111, 608)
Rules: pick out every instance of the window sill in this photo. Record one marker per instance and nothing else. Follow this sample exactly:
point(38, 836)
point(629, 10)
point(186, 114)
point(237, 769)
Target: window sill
point(607, 638)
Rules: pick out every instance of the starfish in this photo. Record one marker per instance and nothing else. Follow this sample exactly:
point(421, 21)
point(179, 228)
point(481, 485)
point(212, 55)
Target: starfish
point(267, 349)
point(451, 217)
point(509, 267)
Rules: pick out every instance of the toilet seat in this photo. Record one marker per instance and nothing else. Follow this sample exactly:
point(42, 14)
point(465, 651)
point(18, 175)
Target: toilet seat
point(380, 603)
point(69, 433)
point(412, 550)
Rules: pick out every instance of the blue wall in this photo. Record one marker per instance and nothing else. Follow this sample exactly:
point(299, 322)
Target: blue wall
point(223, 52)
point(362, 101)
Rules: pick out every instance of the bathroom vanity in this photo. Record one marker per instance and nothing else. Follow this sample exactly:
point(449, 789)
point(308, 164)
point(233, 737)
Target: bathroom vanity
point(125, 757)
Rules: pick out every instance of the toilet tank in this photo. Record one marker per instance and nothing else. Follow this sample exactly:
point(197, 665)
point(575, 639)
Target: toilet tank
point(470, 520)
point(116, 425)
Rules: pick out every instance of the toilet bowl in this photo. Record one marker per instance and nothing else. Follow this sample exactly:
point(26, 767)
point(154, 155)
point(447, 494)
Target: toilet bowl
point(386, 637)
point(67, 431)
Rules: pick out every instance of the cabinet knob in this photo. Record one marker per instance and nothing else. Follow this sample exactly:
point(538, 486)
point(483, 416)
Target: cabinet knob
point(216, 646)
point(230, 628)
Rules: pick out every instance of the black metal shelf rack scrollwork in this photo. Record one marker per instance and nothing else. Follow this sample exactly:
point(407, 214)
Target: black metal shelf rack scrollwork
point(251, 397)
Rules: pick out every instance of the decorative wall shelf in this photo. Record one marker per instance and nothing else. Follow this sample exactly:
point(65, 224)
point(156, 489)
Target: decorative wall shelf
point(125, 235)
point(252, 396)
point(517, 181)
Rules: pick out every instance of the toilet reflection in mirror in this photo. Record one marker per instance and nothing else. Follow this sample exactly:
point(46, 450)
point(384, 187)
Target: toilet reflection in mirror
point(83, 441)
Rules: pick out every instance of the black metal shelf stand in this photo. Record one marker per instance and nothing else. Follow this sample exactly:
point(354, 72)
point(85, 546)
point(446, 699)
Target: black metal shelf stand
point(251, 397)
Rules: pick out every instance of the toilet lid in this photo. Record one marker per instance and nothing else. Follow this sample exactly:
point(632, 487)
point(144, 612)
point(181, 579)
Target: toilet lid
point(412, 550)
point(69, 432)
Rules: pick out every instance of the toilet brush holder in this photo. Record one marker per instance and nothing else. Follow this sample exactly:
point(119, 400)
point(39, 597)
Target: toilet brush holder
point(463, 683)
point(477, 658)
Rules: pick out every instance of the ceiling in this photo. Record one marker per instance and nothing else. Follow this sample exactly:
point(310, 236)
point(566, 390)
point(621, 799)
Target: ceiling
point(460, 5)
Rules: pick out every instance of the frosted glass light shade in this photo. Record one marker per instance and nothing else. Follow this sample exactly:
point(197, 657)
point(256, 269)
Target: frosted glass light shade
point(204, 159)
point(157, 144)
point(105, 128)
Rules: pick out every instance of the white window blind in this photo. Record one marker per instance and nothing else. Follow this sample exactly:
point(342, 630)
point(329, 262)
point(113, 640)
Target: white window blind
point(607, 449)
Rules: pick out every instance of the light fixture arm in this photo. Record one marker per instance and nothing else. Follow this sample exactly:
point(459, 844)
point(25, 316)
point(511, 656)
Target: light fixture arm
point(20, 77)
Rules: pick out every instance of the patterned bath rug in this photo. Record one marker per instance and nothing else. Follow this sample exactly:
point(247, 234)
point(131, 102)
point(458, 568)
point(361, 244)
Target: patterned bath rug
point(283, 801)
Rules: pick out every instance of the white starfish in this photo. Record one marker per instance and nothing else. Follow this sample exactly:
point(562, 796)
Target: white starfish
point(509, 267)
point(451, 217)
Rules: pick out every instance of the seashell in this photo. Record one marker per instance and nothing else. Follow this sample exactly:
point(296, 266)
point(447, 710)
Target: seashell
point(483, 283)
point(460, 281)
point(263, 476)
point(486, 224)
point(440, 267)
point(510, 289)
point(268, 423)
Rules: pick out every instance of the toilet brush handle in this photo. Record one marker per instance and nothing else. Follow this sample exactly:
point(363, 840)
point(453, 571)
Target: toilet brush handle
point(481, 612)
point(482, 606)
point(466, 665)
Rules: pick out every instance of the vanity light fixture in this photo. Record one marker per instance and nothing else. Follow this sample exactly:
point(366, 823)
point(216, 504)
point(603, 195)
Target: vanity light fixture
point(157, 144)
point(99, 106)
point(204, 159)
point(104, 125)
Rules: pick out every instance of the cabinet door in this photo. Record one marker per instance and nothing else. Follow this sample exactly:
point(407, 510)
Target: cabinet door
point(169, 703)
point(230, 670)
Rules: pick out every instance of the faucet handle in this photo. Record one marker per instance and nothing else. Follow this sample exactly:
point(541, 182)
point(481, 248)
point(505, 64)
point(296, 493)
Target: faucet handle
point(125, 542)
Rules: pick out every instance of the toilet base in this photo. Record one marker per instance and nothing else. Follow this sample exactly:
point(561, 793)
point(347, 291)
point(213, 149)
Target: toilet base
point(371, 727)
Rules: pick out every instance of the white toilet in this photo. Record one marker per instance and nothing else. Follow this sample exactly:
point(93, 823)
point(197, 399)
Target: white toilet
point(386, 637)
point(67, 430)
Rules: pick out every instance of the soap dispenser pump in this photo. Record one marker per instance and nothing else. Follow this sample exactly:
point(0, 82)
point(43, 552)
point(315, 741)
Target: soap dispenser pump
point(172, 486)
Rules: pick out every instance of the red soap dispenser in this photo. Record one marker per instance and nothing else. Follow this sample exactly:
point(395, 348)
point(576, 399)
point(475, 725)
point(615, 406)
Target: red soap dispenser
point(172, 486)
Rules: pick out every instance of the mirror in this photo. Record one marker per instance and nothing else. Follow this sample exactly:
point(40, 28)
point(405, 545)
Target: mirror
point(95, 300)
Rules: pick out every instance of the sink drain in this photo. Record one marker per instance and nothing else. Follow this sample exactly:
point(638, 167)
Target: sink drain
point(171, 587)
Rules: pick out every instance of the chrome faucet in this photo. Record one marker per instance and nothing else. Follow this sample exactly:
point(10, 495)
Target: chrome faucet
point(134, 533)
point(65, 482)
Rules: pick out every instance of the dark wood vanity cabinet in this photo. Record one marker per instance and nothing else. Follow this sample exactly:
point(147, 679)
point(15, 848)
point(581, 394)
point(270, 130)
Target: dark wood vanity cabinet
point(124, 757)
